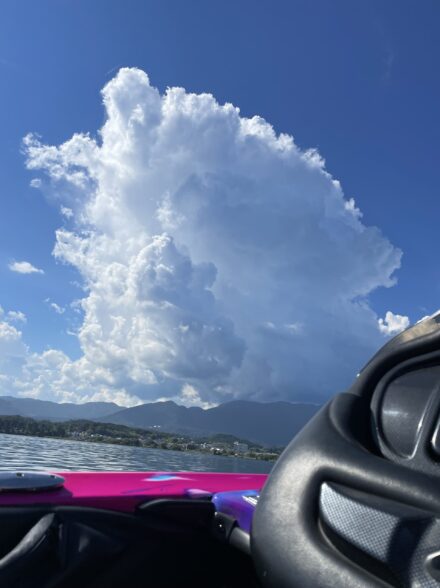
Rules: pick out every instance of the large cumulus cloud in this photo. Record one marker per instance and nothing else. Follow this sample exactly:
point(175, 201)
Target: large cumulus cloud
point(216, 256)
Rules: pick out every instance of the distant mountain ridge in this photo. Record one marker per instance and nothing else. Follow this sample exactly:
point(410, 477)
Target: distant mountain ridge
point(271, 423)
point(45, 409)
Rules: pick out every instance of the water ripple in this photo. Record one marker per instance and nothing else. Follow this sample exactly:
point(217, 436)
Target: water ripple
point(38, 453)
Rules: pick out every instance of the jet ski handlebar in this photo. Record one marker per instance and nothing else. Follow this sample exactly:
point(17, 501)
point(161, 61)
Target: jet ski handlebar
point(354, 500)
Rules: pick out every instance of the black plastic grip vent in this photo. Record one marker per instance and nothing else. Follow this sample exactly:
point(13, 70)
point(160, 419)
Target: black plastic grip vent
point(401, 539)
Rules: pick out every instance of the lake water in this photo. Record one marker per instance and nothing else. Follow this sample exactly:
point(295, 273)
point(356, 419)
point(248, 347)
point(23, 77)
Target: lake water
point(37, 453)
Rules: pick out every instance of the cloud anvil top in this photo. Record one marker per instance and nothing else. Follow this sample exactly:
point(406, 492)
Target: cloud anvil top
point(218, 259)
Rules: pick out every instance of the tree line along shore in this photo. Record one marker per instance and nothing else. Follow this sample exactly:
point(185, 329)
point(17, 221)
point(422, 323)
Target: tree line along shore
point(91, 431)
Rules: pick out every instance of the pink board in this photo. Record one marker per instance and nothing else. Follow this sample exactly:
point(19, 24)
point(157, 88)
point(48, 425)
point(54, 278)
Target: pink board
point(123, 491)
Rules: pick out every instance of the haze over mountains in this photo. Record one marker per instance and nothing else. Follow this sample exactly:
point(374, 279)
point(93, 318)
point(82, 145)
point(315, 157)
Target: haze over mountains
point(272, 423)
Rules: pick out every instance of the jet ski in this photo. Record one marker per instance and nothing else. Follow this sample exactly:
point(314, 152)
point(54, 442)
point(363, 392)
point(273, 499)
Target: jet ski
point(353, 501)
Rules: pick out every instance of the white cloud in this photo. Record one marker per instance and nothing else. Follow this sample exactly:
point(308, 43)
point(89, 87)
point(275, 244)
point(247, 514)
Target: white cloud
point(189, 396)
point(35, 183)
point(350, 205)
point(11, 344)
point(66, 211)
point(10, 340)
point(24, 267)
point(13, 352)
point(52, 375)
point(215, 256)
point(17, 316)
point(393, 324)
point(55, 307)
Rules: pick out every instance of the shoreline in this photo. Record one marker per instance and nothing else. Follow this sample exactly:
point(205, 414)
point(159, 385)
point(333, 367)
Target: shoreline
point(120, 435)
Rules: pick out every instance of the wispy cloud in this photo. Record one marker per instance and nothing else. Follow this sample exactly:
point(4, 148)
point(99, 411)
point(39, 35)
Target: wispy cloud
point(54, 306)
point(387, 50)
point(35, 183)
point(66, 211)
point(24, 267)
point(16, 316)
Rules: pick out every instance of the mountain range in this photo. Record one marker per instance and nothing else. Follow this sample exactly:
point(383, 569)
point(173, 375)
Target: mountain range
point(271, 423)
point(45, 409)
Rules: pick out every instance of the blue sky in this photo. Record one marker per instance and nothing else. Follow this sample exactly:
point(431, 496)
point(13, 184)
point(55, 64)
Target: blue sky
point(358, 81)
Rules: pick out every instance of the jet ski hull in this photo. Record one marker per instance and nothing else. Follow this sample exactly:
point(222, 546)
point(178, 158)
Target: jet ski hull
point(125, 491)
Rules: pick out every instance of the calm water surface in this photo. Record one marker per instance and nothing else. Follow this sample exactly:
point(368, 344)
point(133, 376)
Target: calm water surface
point(37, 453)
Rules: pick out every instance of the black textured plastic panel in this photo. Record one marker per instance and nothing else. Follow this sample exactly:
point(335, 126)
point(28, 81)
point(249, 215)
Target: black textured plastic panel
point(402, 538)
